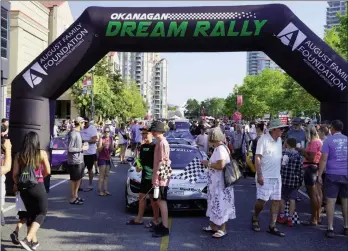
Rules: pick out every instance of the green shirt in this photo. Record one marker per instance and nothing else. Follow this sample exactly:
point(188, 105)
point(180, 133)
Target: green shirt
point(146, 156)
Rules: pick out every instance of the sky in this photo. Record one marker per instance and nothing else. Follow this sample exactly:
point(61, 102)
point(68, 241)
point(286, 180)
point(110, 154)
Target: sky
point(207, 75)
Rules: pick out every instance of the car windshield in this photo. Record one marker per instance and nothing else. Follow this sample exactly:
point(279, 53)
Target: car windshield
point(59, 144)
point(182, 125)
point(178, 141)
point(179, 135)
point(181, 157)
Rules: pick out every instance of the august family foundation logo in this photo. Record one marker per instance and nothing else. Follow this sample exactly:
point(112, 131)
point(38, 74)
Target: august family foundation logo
point(31, 75)
point(314, 56)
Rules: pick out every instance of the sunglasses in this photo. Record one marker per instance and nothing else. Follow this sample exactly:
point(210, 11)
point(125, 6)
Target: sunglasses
point(107, 131)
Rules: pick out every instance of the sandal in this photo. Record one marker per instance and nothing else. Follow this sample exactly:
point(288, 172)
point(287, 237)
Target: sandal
point(76, 202)
point(219, 234)
point(102, 194)
point(309, 223)
point(107, 193)
point(208, 229)
point(255, 224)
point(132, 222)
point(80, 199)
point(151, 224)
point(275, 231)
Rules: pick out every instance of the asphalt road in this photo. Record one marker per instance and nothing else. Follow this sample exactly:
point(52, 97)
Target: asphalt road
point(99, 224)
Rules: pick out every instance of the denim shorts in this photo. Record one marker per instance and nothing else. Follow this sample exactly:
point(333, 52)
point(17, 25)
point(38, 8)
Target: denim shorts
point(289, 193)
point(336, 185)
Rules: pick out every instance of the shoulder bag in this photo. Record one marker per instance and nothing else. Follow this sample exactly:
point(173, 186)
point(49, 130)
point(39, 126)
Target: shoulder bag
point(231, 171)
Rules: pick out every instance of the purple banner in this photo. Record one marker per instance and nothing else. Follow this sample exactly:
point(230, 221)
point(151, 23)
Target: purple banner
point(8, 105)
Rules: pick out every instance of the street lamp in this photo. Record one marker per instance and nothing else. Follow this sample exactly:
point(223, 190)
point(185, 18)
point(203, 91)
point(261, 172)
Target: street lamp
point(92, 92)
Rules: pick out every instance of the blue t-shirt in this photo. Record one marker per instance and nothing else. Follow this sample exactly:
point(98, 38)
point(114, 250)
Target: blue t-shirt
point(136, 134)
point(336, 147)
point(299, 135)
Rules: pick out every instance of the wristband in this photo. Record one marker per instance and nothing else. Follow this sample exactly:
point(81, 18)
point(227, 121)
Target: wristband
point(209, 164)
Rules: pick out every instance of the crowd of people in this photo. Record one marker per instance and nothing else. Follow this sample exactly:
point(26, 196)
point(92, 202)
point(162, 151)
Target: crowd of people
point(285, 158)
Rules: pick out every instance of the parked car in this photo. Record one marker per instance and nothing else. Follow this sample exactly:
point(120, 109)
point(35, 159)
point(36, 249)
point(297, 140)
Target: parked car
point(182, 194)
point(59, 146)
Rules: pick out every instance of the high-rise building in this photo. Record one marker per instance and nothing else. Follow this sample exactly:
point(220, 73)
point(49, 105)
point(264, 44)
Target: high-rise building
point(334, 8)
point(257, 61)
point(141, 68)
point(160, 98)
point(5, 54)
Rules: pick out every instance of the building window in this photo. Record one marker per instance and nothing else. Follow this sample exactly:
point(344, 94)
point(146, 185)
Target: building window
point(4, 32)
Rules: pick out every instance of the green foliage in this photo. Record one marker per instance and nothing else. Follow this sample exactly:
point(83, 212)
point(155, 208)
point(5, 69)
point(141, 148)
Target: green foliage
point(193, 108)
point(269, 92)
point(337, 37)
point(112, 98)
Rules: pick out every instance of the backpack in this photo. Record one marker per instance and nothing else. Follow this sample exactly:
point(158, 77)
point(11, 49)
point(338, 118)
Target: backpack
point(27, 178)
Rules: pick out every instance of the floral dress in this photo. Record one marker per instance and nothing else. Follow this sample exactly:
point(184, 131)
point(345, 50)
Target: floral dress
point(220, 199)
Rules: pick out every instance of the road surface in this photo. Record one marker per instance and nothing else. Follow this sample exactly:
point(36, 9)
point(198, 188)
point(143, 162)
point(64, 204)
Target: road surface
point(99, 224)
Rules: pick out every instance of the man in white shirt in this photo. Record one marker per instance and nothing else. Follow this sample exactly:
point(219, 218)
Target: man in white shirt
point(90, 134)
point(269, 185)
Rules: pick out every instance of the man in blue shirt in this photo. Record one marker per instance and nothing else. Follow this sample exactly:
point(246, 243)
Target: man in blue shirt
point(296, 131)
point(136, 138)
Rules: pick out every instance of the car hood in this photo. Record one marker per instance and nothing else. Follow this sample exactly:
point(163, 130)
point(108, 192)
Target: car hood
point(58, 157)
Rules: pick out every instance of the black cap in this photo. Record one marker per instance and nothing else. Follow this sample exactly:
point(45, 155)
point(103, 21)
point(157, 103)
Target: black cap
point(157, 126)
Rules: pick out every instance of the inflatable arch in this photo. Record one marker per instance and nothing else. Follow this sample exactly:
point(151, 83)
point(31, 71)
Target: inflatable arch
point(273, 29)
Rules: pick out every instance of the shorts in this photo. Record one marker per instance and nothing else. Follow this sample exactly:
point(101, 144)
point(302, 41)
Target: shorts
point(289, 193)
point(310, 175)
point(22, 215)
point(76, 171)
point(135, 146)
point(89, 160)
point(103, 162)
point(336, 185)
point(163, 191)
point(271, 189)
point(146, 186)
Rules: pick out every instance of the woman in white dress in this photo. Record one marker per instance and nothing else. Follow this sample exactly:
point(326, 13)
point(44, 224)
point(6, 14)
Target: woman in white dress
point(220, 199)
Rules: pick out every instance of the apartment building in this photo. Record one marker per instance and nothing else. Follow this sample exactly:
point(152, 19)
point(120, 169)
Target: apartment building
point(5, 55)
point(33, 26)
point(258, 61)
point(160, 97)
point(141, 68)
point(334, 7)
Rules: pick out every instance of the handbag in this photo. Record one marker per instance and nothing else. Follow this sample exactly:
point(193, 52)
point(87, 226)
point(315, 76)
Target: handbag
point(232, 172)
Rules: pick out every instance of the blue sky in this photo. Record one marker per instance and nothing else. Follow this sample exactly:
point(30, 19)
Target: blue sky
point(194, 75)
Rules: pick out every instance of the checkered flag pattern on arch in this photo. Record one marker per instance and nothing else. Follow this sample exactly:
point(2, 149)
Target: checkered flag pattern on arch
point(211, 16)
point(193, 171)
point(295, 217)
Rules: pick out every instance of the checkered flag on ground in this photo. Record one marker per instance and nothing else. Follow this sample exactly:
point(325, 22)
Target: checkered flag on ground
point(193, 171)
point(295, 217)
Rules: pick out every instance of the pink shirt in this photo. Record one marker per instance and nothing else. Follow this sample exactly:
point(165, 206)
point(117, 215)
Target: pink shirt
point(161, 156)
point(314, 147)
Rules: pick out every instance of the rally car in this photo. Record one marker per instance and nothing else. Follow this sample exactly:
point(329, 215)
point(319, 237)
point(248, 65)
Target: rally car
point(59, 146)
point(181, 134)
point(185, 193)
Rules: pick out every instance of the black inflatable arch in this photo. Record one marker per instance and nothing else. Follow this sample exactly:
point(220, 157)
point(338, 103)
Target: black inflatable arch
point(271, 28)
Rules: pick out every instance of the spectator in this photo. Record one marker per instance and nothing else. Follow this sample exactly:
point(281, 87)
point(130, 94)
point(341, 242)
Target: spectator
point(292, 178)
point(123, 138)
point(220, 199)
point(239, 142)
point(269, 186)
point(297, 132)
point(34, 196)
point(6, 162)
point(334, 158)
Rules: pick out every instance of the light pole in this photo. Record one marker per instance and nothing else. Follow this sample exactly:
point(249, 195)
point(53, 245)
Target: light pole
point(92, 93)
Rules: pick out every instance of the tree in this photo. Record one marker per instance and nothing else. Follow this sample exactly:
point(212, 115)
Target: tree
point(337, 36)
point(193, 108)
point(112, 98)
